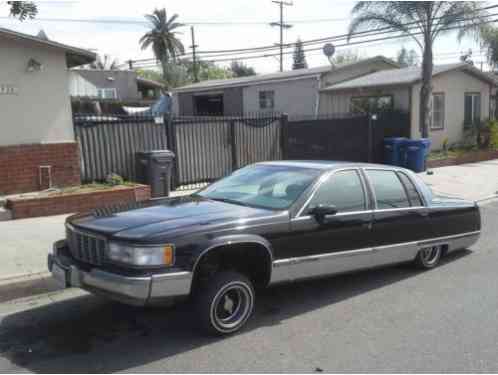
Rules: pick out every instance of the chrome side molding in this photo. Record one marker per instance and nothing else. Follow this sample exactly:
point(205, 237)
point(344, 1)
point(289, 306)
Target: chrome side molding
point(332, 263)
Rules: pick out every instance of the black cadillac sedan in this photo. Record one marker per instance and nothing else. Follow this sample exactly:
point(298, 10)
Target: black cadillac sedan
point(265, 224)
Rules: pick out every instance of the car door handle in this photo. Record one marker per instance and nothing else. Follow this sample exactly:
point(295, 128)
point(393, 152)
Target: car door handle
point(424, 212)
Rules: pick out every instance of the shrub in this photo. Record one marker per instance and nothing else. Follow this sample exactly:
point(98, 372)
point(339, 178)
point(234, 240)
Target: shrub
point(493, 134)
point(114, 179)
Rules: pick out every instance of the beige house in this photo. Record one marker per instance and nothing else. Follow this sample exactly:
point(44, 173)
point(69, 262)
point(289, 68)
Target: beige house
point(36, 125)
point(462, 96)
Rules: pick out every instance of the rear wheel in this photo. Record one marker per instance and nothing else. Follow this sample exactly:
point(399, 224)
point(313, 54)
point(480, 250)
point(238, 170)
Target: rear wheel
point(225, 304)
point(429, 257)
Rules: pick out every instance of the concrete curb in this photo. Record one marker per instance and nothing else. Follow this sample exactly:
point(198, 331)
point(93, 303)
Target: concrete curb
point(22, 286)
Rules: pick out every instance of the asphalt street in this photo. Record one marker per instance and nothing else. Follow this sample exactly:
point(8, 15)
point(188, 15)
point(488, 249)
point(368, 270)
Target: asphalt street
point(396, 319)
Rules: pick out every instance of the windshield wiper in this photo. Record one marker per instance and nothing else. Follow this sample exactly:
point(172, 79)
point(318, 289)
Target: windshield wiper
point(227, 200)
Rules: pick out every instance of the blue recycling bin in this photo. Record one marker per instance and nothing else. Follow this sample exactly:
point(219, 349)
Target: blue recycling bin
point(394, 151)
point(416, 154)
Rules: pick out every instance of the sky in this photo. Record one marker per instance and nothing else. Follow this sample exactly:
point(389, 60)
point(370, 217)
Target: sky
point(240, 24)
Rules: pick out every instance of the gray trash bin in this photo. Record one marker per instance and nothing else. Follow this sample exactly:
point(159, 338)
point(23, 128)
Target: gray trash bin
point(154, 168)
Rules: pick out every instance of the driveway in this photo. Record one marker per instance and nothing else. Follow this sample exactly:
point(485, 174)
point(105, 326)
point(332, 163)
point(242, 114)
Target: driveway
point(396, 319)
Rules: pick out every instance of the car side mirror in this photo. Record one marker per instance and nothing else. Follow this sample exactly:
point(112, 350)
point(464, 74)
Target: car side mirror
point(322, 210)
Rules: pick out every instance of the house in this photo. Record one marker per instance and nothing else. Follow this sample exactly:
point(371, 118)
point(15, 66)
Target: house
point(294, 92)
point(122, 85)
point(461, 98)
point(37, 143)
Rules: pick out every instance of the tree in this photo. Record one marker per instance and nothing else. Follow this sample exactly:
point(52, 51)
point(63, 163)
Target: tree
point(104, 63)
point(23, 9)
point(163, 39)
point(151, 74)
point(346, 57)
point(407, 57)
point(489, 39)
point(424, 21)
point(209, 70)
point(299, 56)
point(240, 69)
point(181, 73)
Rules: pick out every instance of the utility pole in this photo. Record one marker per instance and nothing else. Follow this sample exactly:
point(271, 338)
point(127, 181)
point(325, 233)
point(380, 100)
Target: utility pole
point(282, 26)
point(194, 56)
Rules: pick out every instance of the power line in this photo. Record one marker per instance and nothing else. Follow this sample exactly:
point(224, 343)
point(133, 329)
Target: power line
point(362, 34)
point(187, 23)
point(320, 48)
point(325, 39)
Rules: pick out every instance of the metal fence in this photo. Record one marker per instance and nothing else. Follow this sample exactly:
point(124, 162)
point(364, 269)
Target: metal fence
point(347, 136)
point(210, 147)
point(108, 144)
point(206, 148)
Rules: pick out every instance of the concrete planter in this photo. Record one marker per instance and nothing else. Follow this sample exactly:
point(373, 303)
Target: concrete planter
point(470, 157)
point(24, 207)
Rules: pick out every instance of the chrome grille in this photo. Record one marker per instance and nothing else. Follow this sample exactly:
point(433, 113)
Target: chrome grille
point(86, 247)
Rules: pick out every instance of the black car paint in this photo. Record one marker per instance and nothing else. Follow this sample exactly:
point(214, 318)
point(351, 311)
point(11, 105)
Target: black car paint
point(194, 224)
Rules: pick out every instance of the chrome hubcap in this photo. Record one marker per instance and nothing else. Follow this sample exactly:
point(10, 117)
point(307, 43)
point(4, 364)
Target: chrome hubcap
point(430, 255)
point(231, 307)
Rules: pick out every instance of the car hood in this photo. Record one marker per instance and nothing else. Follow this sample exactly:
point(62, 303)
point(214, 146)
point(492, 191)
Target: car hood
point(173, 216)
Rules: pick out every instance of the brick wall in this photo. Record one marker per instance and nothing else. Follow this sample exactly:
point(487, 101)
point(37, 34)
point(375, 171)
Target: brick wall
point(33, 207)
point(19, 166)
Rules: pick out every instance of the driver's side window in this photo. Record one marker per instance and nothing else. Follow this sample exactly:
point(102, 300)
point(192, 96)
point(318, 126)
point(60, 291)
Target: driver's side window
point(344, 190)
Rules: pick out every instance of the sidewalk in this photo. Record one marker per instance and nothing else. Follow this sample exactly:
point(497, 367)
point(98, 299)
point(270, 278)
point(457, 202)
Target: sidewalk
point(475, 181)
point(25, 243)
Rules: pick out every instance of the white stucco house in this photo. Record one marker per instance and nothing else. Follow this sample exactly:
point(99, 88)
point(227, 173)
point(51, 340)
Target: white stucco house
point(462, 96)
point(294, 92)
point(35, 111)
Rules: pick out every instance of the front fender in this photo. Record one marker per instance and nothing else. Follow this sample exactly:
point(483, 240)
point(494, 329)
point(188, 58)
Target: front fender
point(234, 239)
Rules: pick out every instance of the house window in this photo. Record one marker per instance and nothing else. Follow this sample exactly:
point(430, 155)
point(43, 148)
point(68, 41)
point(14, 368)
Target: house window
point(472, 109)
point(369, 104)
point(107, 93)
point(437, 111)
point(267, 99)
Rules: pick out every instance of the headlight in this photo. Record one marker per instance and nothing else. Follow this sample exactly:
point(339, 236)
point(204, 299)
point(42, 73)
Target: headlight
point(161, 255)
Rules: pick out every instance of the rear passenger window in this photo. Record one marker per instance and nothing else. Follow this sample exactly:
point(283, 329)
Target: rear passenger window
point(389, 192)
point(413, 194)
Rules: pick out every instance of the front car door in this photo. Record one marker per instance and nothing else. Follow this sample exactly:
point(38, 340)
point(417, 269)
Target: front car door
point(400, 216)
point(341, 244)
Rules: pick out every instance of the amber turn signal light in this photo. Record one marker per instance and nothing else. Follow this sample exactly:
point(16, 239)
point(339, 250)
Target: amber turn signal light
point(168, 255)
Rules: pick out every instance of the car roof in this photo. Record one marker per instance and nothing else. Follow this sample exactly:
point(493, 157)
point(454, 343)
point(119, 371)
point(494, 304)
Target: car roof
point(325, 164)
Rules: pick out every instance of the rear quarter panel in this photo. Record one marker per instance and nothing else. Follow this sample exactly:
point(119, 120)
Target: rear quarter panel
point(450, 217)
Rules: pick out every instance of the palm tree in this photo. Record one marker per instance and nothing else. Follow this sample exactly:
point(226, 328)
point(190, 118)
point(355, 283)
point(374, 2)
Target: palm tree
point(163, 38)
point(423, 21)
point(104, 63)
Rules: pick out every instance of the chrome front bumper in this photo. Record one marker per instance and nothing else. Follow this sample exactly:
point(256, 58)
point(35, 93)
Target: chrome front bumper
point(140, 291)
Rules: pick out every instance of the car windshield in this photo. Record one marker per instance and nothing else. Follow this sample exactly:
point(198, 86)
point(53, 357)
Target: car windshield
point(265, 186)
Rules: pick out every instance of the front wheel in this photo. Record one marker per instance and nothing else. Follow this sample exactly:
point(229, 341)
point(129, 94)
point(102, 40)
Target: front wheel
point(225, 304)
point(429, 257)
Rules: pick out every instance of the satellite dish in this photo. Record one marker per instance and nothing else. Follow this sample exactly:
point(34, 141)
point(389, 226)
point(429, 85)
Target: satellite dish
point(329, 50)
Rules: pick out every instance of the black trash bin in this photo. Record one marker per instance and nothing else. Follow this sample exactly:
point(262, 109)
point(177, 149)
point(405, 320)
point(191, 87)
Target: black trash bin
point(154, 168)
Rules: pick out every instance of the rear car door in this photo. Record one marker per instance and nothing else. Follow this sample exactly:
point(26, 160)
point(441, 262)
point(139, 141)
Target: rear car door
point(327, 248)
point(400, 216)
